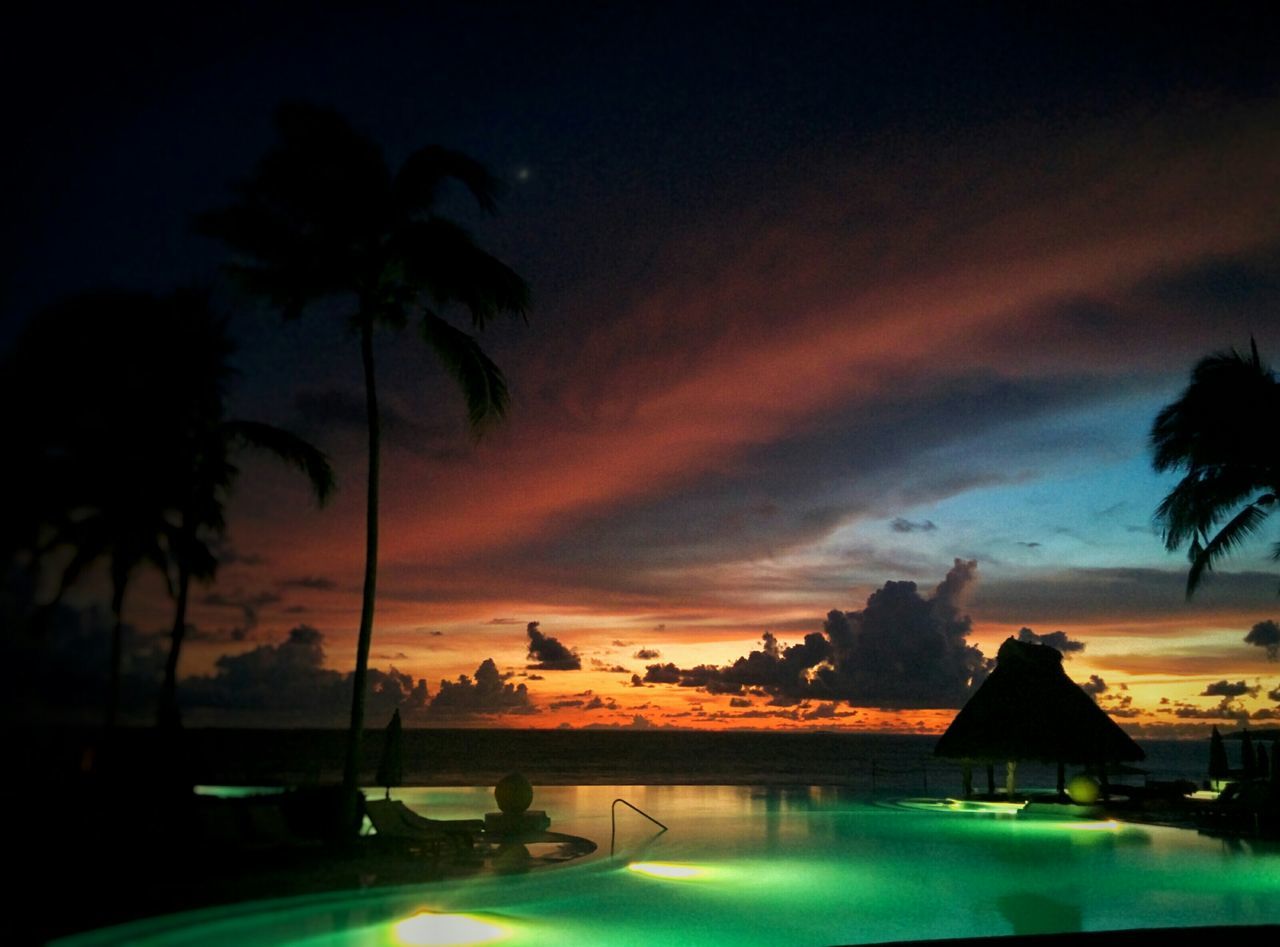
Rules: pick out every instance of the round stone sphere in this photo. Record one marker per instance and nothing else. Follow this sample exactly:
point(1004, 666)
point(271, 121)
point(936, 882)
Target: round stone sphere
point(513, 793)
point(1083, 790)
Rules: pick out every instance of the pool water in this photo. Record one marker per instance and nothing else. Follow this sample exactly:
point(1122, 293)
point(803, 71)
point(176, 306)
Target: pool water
point(742, 865)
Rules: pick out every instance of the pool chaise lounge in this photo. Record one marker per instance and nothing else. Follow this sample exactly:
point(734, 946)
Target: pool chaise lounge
point(392, 820)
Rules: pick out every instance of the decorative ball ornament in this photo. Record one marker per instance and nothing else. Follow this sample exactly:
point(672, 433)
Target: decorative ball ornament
point(1083, 790)
point(513, 793)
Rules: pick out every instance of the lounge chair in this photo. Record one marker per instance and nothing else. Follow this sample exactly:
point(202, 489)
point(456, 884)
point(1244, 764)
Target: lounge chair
point(395, 822)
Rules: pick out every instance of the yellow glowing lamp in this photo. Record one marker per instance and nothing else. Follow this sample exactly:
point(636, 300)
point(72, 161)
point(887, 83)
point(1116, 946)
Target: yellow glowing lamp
point(1083, 790)
point(429, 928)
point(666, 870)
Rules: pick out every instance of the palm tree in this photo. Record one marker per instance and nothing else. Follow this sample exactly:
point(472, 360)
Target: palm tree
point(96, 410)
point(323, 216)
point(209, 474)
point(1213, 433)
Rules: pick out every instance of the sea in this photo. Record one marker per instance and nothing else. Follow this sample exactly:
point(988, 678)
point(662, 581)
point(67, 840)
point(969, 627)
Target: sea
point(872, 763)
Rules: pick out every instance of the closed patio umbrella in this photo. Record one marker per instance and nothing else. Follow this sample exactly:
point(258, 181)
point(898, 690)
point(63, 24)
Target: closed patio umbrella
point(391, 765)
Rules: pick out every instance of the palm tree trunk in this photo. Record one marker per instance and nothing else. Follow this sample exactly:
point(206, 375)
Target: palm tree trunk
point(168, 716)
point(351, 770)
point(118, 583)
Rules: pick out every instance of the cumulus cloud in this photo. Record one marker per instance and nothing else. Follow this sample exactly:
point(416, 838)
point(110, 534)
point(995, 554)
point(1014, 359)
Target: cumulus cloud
point(1275, 694)
point(637, 680)
point(485, 695)
point(902, 650)
point(647, 654)
point(1226, 688)
point(1266, 634)
point(1054, 639)
point(548, 654)
point(290, 679)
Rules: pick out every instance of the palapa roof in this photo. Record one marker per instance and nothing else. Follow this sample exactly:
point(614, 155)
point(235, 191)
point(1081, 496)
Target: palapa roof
point(1028, 709)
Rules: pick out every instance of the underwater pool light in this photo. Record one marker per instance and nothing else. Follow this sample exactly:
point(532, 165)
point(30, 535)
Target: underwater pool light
point(666, 870)
point(429, 928)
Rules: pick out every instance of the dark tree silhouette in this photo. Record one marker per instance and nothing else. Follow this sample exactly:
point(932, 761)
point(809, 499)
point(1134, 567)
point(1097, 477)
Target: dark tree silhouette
point(126, 450)
point(209, 441)
point(1218, 432)
point(323, 217)
point(103, 403)
point(1219, 768)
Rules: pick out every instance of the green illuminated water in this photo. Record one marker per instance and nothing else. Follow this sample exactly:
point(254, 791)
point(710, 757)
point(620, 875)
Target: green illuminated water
point(797, 866)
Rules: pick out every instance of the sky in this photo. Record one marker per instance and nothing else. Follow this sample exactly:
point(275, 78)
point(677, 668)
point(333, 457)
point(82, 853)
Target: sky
point(849, 327)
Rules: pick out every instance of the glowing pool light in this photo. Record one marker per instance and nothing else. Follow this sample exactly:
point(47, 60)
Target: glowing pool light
point(666, 870)
point(428, 928)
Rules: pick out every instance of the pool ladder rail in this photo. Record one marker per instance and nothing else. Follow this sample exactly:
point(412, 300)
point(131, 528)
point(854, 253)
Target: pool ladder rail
point(613, 820)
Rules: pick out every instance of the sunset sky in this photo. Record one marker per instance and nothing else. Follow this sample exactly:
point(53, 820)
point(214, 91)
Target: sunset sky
point(824, 298)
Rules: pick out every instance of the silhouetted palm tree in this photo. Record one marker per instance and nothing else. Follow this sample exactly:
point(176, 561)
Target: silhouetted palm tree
point(208, 475)
point(324, 216)
point(1220, 430)
point(98, 405)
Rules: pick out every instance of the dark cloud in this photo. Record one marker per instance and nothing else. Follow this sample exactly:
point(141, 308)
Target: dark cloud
point(1223, 710)
point(290, 680)
point(561, 704)
point(317, 582)
point(486, 695)
point(901, 650)
point(1225, 688)
point(637, 680)
point(662, 674)
point(247, 603)
point(548, 654)
point(647, 654)
point(1057, 640)
point(739, 702)
point(1089, 596)
point(902, 525)
point(503, 621)
point(1029, 545)
point(1265, 634)
point(1094, 686)
point(1274, 695)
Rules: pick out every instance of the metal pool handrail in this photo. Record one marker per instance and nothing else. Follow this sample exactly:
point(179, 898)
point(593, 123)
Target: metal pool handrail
point(613, 820)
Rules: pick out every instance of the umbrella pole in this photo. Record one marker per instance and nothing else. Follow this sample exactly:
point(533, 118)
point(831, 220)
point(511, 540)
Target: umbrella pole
point(1062, 779)
point(1010, 778)
point(966, 779)
point(991, 780)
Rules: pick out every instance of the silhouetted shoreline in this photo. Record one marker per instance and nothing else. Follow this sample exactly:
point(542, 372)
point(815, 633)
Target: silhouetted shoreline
point(893, 763)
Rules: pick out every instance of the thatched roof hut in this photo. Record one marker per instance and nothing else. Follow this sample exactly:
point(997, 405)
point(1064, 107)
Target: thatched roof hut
point(1028, 709)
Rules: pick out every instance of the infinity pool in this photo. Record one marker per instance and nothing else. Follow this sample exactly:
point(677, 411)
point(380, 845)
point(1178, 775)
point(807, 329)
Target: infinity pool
point(743, 866)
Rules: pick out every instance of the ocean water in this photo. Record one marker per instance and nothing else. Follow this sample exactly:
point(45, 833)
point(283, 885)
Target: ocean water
point(865, 763)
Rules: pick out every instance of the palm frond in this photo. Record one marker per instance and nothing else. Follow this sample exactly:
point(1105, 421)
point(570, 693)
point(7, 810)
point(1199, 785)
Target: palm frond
point(1241, 526)
point(289, 448)
point(484, 388)
point(417, 185)
point(440, 258)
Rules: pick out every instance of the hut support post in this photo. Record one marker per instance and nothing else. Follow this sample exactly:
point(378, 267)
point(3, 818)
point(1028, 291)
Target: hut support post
point(991, 780)
point(1010, 778)
point(1062, 779)
point(966, 779)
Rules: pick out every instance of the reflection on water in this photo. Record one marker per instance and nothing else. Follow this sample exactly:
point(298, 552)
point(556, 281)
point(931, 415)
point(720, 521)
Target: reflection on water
point(769, 865)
